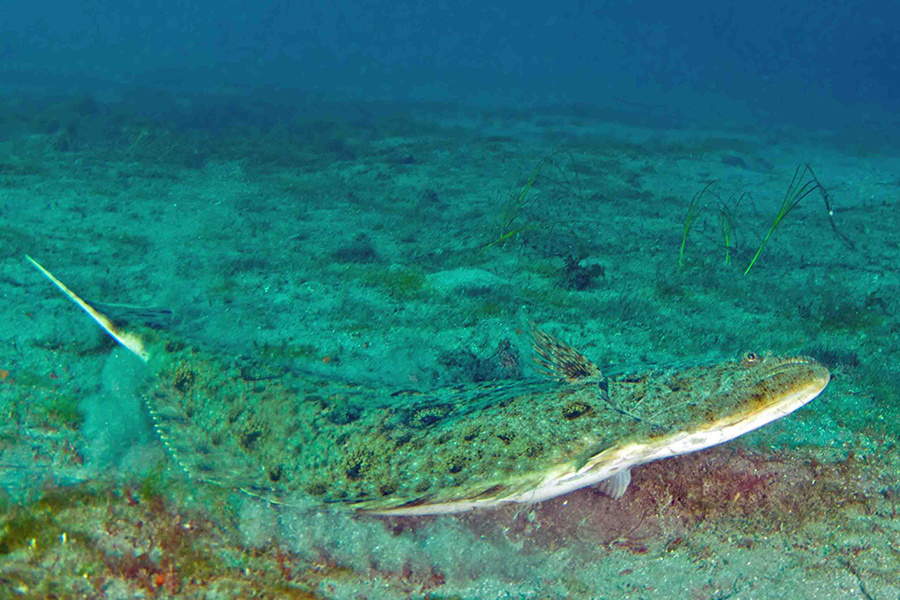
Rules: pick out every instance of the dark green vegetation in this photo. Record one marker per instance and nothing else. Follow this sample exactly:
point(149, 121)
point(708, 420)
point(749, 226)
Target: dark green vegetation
point(803, 183)
point(695, 207)
point(79, 541)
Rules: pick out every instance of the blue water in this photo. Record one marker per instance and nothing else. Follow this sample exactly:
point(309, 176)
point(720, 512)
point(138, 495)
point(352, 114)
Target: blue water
point(826, 64)
point(374, 191)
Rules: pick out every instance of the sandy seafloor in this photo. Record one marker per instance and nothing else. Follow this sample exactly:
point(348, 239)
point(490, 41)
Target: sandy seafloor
point(356, 240)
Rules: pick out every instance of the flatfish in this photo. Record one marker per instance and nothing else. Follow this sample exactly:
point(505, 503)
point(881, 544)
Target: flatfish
point(282, 434)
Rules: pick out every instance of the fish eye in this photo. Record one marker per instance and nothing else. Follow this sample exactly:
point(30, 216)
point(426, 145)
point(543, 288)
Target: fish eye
point(751, 358)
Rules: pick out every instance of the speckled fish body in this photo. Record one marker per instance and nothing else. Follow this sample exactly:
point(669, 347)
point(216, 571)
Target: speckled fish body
point(276, 432)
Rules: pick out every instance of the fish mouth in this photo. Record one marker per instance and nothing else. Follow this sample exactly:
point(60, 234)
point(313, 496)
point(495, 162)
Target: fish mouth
point(784, 387)
point(797, 366)
point(777, 392)
point(780, 388)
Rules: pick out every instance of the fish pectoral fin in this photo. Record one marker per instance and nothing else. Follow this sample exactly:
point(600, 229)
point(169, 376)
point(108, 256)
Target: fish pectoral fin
point(615, 486)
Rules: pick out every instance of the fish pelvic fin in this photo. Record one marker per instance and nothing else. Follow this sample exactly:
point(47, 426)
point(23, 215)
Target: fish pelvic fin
point(129, 340)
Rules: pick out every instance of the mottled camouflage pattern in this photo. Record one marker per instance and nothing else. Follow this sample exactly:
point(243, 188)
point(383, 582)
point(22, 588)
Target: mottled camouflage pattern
point(282, 434)
point(275, 432)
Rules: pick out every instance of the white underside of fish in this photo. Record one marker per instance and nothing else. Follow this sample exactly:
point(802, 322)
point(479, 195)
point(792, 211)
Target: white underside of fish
point(611, 470)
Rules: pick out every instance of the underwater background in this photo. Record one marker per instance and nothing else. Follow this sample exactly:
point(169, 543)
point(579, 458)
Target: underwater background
point(373, 192)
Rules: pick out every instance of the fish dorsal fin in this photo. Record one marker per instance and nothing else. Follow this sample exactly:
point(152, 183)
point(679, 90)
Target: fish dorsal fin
point(131, 341)
point(559, 360)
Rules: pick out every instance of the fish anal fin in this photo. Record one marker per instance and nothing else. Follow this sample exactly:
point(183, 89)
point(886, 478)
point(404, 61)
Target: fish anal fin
point(559, 360)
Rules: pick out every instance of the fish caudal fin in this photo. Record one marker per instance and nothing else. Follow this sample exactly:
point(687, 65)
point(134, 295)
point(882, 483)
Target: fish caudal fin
point(128, 340)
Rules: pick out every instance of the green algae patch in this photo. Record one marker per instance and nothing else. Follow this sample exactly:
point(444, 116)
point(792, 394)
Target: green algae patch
point(62, 410)
point(27, 528)
point(36, 526)
point(79, 541)
point(400, 283)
